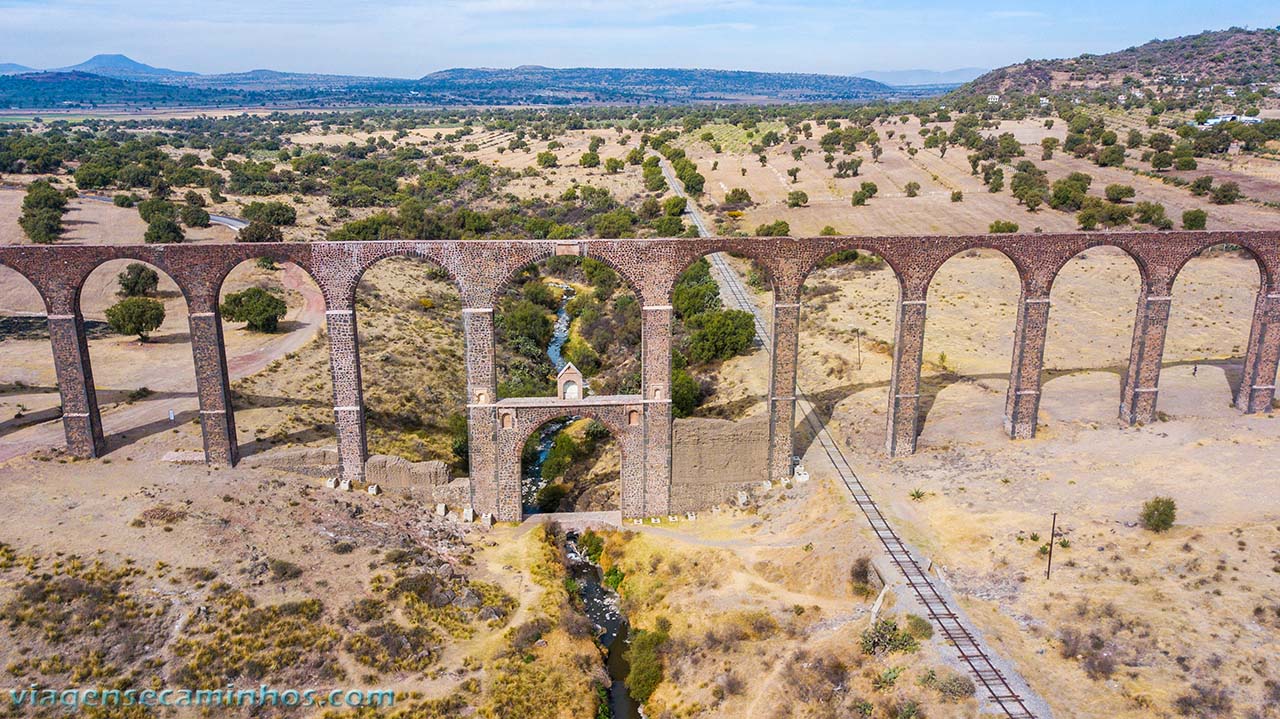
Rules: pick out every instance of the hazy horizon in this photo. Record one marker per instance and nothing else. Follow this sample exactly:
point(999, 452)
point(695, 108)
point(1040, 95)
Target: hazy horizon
point(402, 39)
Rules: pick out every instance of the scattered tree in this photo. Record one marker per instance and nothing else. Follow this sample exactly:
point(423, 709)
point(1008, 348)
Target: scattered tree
point(255, 306)
point(137, 280)
point(1158, 514)
point(136, 316)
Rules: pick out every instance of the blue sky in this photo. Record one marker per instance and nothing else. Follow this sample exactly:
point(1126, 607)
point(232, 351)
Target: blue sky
point(409, 39)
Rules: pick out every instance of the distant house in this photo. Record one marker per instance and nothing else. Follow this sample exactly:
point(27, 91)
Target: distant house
point(1044, 102)
point(1122, 98)
point(1231, 92)
point(1243, 120)
point(993, 99)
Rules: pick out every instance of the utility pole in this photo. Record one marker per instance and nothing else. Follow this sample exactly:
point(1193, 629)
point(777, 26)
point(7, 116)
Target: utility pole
point(1053, 532)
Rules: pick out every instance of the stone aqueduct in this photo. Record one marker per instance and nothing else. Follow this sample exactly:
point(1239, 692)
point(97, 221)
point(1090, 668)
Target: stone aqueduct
point(642, 423)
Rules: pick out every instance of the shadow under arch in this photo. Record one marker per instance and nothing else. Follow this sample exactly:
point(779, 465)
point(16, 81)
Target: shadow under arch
point(858, 344)
point(28, 379)
point(156, 377)
point(973, 359)
point(257, 375)
point(1091, 321)
point(1235, 291)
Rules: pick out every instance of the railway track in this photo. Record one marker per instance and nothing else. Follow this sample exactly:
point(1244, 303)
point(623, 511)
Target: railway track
point(967, 646)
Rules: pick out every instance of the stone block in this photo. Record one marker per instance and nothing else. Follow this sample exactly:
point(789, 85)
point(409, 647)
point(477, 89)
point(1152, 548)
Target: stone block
point(468, 515)
point(331, 483)
point(442, 509)
point(374, 489)
point(344, 485)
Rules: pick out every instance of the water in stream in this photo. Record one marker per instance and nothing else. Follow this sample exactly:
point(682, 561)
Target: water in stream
point(601, 606)
point(531, 479)
point(599, 603)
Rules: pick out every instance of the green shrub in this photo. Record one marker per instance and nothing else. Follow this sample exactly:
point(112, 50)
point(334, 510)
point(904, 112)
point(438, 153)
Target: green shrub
point(884, 637)
point(283, 569)
point(137, 280)
point(957, 196)
point(136, 316)
point(193, 216)
point(918, 627)
point(163, 231)
point(1003, 226)
point(645, 659)
point(255, 306)
point(260, 231)
point(1194, 219)
point(1158, 514)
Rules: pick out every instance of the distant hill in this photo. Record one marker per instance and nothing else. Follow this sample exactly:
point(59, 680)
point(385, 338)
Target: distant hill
point(116, 80)
point(46, 90)
point(909, 78)
point(11, 68)
point(123, 68)
point(1229, 57)
point(533, 83)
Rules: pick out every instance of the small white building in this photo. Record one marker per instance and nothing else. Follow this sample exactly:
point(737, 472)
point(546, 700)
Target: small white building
point(569, 383)
point(1044, 102)
point(993, 99)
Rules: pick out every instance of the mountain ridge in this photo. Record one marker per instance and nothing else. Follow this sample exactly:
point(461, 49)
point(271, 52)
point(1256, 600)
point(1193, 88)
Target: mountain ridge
point(1235, 56)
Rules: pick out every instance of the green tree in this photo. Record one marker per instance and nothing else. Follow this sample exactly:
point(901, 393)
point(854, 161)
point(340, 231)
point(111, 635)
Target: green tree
point(279, 214)
point(686, 394)
point(137, 280)
point(1225, 194)
point(644, 657)
point(797, 198)
point(589, 159)
point(1119, 193)
point(778, 228)
point(1111, 156)
point(155, 208)
point(613, 165)
point(674, 206)
point(547, 159)
point(1002, 226)
point(720, 334)
point(1158, 514)
point(259, 231)
point(912, 188)
point(1194, 219)
point(42, 210)
point(1201, 185)
point(163, 231)
point(259, 308)
point(1161, 161)
point(193, 216)
point(136, 316)
point(737, 196)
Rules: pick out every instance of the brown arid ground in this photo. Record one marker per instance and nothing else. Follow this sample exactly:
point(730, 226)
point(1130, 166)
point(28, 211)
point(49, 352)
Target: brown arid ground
point(892, 212)
point(155, 574)
point(764, 618)
point(1193, 607)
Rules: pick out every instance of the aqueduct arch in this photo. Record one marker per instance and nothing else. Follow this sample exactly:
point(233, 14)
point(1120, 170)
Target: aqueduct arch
point(650, 266)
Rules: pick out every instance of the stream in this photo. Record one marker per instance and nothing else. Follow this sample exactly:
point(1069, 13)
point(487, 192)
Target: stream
point(531, 481)
point(599, 603)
